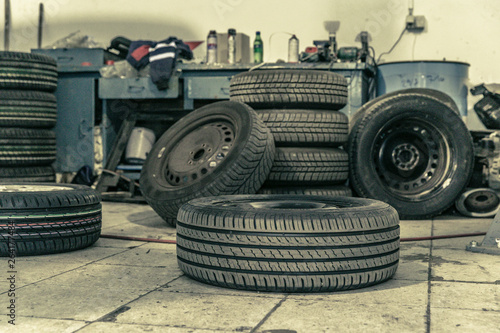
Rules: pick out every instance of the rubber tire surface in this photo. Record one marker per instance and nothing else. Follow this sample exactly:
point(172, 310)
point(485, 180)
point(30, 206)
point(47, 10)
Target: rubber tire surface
point(411, 104)
point(306, 127)
point(331, 191)
point(20, 70)
point(42, 221)
point(243, 171)
point(288, 88)
point(256, 243)
point(27, 175)
point(27, 147)
point(436, 94)
point(309, 166)
point(31, 109)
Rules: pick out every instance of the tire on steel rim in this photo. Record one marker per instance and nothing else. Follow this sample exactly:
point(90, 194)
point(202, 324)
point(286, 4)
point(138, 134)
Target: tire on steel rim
point(288, 243)
point(222, 148)
point(41, 218)
point(288, 88)
point(412, 151)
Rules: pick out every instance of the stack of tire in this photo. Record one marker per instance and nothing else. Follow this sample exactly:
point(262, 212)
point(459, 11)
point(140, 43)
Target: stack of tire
point(27, 115)
point(300, 107)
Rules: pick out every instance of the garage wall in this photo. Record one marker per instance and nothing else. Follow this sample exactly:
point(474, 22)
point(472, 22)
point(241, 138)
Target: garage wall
point(459, 30)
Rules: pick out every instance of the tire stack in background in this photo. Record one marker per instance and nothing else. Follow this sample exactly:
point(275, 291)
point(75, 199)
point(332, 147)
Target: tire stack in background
point(28, 112)
point(300, 107)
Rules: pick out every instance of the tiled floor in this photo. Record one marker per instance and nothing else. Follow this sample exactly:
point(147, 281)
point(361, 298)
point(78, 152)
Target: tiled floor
point(130, 286)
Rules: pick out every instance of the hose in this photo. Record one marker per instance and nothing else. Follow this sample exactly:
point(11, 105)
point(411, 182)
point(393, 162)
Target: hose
point(412, 239)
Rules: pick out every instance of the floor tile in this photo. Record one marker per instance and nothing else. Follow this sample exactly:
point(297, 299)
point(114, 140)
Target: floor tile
point(185, 284)
point(347, 315)
point(461, 265)
point(470, 321)
point(465, 296)
point(198, 310)
point(56, 301)
point(41, 325)
point(146, 257)
point(402, 292)
point(415, 228)
point(87, 255)
point(101, 327)
point(105, 276)
point(413, 261)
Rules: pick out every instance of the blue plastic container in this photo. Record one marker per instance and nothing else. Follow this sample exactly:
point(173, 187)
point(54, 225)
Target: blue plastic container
point(446, 76)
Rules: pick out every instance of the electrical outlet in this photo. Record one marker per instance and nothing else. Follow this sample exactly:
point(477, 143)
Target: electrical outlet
point(415, 23)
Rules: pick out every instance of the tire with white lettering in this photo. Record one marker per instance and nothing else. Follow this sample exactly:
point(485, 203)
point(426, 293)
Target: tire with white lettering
point(288, 243)
point(39, 218)
point(27, 147)
point(29, 71)
point(289, 88)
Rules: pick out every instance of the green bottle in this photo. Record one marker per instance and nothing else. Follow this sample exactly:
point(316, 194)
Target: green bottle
point(258, 49)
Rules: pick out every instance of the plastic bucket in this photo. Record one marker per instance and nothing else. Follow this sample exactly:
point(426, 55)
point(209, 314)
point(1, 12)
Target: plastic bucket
point(446, 76)
point(139, 145)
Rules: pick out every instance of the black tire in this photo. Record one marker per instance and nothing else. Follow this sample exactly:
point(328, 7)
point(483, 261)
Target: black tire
point(26, 147)
point(228, 129)
point(31, 109)
point(288, 243)
point(309, 166)
point(436, 94)
point(27, 175)
point(330, 191)
point(289, 88)
point(41, 218)
point(412, 151)
point(306, 127)
point(27, 71)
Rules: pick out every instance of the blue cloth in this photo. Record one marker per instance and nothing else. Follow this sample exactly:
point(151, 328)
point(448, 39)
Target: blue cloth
point(161, 55)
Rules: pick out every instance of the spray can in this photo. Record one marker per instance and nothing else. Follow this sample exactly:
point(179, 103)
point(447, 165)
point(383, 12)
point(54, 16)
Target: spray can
point(231, 46)
point(293, 49)
point(212, 47)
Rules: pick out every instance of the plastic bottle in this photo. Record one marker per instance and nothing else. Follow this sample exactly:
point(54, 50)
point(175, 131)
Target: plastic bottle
point(231, 46)
point(212, 47)
point(293, 49)
point(258, 49)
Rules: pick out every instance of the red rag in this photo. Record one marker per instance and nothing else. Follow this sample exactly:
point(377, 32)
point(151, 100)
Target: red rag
point(140, 52)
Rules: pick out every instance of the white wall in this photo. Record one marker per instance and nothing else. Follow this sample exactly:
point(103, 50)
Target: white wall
point(461, 30)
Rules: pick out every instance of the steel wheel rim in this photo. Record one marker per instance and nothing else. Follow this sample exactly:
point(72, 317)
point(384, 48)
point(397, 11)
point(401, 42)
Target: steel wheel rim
point(412, 158)
point(198, 152)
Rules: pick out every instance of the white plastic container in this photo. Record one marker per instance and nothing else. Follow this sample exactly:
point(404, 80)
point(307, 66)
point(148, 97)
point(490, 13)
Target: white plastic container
point(139, 145)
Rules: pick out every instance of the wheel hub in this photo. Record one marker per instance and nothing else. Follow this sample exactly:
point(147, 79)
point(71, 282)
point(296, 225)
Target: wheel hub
point(405, 156)
point(199, 153)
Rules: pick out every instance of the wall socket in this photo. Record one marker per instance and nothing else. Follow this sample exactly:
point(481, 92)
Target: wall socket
point(415, 23)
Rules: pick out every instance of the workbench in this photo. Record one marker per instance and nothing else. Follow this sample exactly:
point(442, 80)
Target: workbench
point(96, 115)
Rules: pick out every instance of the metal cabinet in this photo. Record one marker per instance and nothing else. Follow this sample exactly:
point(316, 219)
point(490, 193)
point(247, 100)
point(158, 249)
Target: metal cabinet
point(80, 115)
